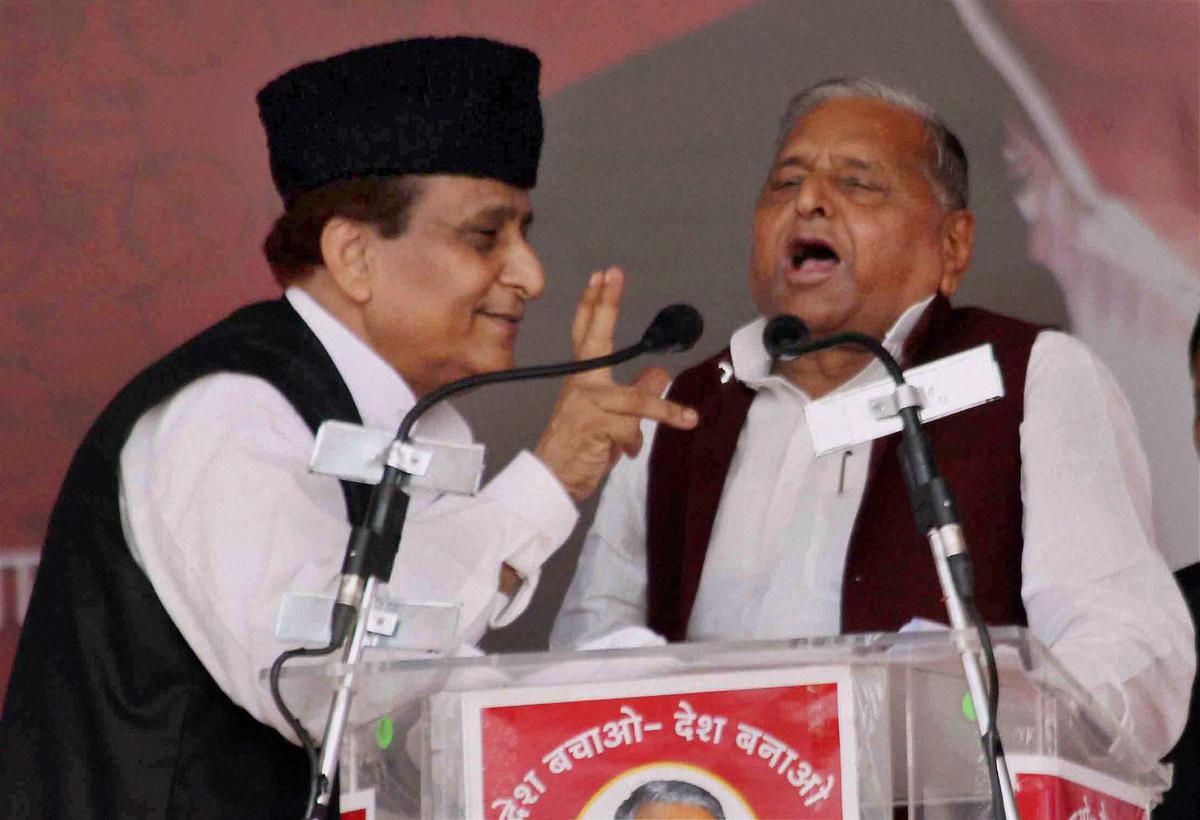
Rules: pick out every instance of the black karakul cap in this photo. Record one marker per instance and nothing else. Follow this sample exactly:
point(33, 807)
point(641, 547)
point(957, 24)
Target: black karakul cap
point(455, 105)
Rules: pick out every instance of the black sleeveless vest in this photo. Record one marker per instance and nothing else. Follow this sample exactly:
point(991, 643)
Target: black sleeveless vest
point(109, 713)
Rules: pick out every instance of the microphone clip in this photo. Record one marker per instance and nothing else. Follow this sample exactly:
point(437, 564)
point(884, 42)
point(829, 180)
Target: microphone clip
point(352, 452)
point(904, 396)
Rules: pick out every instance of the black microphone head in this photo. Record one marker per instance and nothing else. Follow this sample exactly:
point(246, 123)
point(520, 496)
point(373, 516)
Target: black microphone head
point(674, 329)
point(783, 334)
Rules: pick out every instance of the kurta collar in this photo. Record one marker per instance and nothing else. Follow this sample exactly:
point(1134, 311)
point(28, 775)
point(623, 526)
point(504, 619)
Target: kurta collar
point(752, 364)
point(379, 391)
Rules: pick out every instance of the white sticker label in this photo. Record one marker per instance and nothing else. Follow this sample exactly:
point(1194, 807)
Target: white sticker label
point(947, 386)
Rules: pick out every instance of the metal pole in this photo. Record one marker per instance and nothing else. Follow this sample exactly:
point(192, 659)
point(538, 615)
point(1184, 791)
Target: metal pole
point(946, 541)
point(339, 709)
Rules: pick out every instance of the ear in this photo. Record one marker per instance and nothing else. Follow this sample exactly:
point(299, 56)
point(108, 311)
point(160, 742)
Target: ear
point(958, 240)
point(344, 252)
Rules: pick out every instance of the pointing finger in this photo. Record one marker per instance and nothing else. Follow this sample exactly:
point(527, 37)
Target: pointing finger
point(633, 401)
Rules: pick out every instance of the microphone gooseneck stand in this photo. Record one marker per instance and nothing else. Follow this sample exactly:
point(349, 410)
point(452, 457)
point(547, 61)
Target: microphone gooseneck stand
point(371, 551)
point(937, 518)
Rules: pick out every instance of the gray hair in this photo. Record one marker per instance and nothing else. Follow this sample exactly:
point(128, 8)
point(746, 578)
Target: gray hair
point(948, 171)
point(669, 791)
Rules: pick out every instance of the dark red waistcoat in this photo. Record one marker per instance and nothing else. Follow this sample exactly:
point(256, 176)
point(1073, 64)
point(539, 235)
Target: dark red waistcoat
point(889, 577)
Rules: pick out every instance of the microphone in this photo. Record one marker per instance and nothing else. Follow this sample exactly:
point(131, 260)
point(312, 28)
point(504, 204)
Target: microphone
point(783, 335)
point(674, 330)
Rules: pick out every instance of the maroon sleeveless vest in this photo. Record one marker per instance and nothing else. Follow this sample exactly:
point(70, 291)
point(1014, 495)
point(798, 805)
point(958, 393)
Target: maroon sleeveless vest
point(889, 576)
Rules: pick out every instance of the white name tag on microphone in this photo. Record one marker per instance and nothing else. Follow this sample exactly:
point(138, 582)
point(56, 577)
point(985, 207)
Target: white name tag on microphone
point(356, 453)
point(946, 386)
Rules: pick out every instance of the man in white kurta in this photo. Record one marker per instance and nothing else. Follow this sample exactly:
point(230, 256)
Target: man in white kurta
point(189, 514)
point(1094, 587)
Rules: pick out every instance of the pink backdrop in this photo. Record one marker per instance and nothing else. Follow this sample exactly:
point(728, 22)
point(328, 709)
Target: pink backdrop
point(138, 191)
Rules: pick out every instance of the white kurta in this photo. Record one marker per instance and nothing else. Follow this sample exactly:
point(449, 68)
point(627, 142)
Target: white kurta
point(220, 510)
point(1095, 588)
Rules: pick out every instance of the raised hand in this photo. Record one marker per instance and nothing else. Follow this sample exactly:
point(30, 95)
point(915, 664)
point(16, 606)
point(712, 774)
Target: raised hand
point(595, 420)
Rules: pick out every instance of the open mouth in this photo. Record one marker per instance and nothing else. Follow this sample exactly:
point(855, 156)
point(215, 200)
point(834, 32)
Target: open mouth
point(813, 256)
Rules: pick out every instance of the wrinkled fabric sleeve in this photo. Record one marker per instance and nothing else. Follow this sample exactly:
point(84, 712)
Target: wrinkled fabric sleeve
point(1096, 589)
point(608, 592)
point(224, 517)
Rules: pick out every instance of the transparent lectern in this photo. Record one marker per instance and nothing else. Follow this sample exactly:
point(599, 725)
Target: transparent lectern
point(873, 726)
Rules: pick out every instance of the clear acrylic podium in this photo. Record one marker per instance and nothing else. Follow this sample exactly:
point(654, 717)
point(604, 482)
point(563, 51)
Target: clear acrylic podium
point(904, 713)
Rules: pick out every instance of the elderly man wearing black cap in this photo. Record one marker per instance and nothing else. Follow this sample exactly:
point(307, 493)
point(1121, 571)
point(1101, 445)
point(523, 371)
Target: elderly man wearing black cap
point(188, 512)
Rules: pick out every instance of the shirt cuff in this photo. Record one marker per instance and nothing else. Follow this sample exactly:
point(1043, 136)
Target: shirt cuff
point(527, 487)
point(505, 610)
